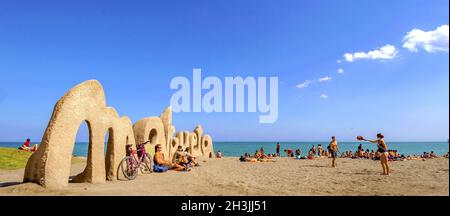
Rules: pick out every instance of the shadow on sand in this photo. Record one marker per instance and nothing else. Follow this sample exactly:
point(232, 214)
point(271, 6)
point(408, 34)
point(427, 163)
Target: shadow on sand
point(7, 184)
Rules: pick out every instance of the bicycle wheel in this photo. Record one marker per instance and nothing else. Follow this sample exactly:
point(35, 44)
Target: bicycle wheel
point(129, 170)
point(146, 165)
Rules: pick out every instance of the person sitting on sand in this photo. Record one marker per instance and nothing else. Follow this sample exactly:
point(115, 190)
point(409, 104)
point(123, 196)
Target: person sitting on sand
point(425, 155)
point(313, 149)
point(298, 153)
point(179, 157)
point(350, 154)
point(310, 154)
point(319, 150)
point(159, 160)
point(190, 158)
point(327, 153)
point(382, 148)
point(219, 154)
point(446, 155)
point(367, 154)
point(26, 146)
point(360, 148)
point(289, 152)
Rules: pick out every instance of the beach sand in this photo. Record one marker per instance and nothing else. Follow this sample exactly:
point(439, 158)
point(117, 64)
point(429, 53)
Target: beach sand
point(228, 176)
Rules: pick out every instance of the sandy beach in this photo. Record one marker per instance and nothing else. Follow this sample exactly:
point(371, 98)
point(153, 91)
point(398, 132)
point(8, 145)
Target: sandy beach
point(228, 176)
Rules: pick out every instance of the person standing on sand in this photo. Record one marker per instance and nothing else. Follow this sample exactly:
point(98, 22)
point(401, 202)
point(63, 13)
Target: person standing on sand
point(278, 149)
point(382, 150)
point(334, 150)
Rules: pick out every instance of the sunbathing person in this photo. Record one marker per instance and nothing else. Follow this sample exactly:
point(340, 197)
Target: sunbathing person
point(159, 160)
point(327, 154)
point(190, 158)
point(319, 150)
point(247, 159)
point(219, 154)
point(26, 146)
point(289, 152)
point(433, 155)
point(257, 154)
point(298, 153)
point(180, 158)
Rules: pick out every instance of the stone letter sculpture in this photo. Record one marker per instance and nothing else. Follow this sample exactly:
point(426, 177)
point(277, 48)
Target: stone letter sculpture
point(50, 165)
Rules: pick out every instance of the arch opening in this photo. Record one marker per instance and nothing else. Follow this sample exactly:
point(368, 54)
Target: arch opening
point(109, 153)
point(80, 151)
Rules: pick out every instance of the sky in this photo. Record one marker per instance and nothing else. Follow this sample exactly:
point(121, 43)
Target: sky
point(345, 67)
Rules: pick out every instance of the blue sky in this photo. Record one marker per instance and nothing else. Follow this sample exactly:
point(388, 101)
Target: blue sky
point(135, 48)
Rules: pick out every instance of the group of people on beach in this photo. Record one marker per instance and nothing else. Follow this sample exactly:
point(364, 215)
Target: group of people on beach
point(259, 156)
point(331, 151)
point(182, 160)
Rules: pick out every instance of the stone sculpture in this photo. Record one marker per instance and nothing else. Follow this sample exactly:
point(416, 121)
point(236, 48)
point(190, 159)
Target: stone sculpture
point(50, 165)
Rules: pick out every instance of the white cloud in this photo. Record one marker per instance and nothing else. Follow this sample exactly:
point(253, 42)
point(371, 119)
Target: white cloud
point(323, 79)
point(304, 84)
point(386, 52)
point(340, 71)
point(431, 41)
point(339, 61)
point(324, 96)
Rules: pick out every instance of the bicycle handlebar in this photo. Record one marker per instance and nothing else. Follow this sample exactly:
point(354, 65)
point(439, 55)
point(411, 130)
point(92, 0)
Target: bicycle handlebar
point(139, 143)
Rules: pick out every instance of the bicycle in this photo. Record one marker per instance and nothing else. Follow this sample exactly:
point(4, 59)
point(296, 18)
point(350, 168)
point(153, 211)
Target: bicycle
point(132, 163)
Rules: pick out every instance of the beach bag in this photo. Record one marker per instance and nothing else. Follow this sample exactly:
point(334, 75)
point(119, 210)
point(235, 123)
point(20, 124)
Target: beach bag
point(157, 168)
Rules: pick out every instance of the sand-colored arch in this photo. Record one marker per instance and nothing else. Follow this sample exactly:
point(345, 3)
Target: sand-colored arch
point(50, 164)
point(122, 134)
point(151, 128)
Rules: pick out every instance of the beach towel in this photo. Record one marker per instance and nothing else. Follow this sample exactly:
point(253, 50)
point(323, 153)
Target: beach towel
point(157, 168)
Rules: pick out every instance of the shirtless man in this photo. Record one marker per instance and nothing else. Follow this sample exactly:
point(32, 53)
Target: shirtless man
point(160, 161)
point(334, 150)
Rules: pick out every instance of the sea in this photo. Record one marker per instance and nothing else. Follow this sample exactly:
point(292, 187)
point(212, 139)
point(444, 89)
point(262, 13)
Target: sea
point(236, 149)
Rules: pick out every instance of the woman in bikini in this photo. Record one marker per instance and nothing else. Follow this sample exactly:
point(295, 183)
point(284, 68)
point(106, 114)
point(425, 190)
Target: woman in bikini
point(382, 149)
